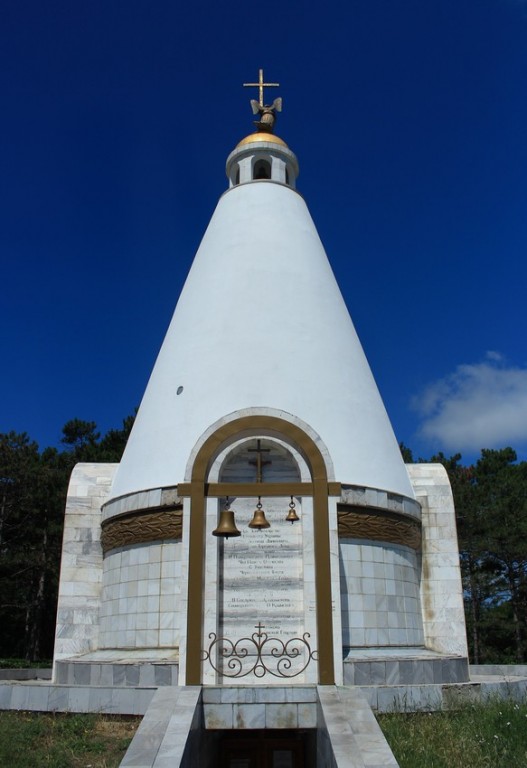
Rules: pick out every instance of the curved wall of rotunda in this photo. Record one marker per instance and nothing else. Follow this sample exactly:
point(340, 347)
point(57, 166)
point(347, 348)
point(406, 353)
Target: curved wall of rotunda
point(141, 596)
point(379, 595)
point(380, 569)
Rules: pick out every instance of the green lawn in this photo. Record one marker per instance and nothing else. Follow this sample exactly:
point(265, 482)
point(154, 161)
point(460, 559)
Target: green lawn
point(38, 740)
point(486, 736)
point(491, 736)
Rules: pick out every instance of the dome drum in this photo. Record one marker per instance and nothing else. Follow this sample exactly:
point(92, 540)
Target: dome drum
point(262, 159)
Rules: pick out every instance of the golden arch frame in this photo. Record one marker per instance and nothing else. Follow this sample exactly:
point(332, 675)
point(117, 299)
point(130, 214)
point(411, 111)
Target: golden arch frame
point(319, 488)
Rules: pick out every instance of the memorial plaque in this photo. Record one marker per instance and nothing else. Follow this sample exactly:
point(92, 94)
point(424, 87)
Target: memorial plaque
point(261, 576)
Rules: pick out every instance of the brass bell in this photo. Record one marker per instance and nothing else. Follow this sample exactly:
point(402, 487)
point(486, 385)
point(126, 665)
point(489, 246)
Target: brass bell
point(292, 517)
point(226, 526)
point(259, 520)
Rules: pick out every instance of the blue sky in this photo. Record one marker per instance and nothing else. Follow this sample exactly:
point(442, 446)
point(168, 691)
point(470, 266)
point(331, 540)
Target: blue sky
point(409, 119)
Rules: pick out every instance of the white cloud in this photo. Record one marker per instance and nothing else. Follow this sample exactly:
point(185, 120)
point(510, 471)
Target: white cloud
point(480, 405)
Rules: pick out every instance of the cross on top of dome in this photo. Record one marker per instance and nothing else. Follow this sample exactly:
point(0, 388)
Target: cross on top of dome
point(267, 112)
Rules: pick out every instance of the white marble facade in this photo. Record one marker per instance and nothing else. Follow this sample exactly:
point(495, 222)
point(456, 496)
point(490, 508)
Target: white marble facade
point(441, 588)
point(380, 598)
point(81, 571)
point(134, 599)
point(140, 601)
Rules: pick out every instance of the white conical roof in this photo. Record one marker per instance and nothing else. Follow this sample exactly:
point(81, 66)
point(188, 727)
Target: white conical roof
point(261, 322)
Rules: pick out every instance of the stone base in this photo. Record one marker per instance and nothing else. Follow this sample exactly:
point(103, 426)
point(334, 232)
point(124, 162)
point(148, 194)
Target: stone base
point(403, 666)
point(362, 667)
point(33, 673)
point(43, 696)
point(135, 669)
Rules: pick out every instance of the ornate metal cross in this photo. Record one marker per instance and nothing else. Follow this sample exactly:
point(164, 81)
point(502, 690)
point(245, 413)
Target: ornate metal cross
point(261, 85)
point(258, 462)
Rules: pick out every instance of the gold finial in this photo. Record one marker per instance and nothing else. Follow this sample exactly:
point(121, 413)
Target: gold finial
point(267, 112)
point(261, 85)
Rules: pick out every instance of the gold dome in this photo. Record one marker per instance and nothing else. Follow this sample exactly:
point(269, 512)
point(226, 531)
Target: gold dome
point(261, 136)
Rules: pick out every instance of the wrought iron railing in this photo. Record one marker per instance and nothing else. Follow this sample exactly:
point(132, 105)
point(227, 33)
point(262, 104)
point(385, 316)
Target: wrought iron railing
point(260, 655)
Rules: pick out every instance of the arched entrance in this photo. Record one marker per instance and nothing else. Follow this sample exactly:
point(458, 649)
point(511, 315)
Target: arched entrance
point(319, 489)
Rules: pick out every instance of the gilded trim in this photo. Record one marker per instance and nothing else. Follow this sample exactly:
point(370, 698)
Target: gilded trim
point(378, 525)
point(264, 425)
point(141, 527)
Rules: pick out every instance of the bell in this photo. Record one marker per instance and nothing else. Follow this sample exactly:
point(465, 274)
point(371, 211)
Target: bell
point(292, 517)
point(259, 520)
point(226, 526)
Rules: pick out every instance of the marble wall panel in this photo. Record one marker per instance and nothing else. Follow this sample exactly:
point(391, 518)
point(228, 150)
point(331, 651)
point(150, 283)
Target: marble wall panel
point(141, 597)
point(441, 588)
point(80, 585)
point(261, 577)
point(380, 601)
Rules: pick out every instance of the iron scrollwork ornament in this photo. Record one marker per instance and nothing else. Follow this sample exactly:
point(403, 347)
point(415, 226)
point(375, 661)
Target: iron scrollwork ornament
point(259, 655)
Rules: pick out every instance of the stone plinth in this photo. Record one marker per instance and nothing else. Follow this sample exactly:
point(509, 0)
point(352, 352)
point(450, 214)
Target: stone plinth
point(81, 569)
point(441, 588)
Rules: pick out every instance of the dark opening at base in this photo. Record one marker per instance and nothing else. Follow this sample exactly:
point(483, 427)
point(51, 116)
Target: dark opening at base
point(266, 748)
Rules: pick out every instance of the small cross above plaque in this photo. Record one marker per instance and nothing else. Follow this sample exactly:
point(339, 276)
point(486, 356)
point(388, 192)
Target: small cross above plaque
point(258, 461)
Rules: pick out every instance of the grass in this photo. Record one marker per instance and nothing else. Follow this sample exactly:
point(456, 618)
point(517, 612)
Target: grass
point(480, 736)
point(493, 735)
point(47, 740)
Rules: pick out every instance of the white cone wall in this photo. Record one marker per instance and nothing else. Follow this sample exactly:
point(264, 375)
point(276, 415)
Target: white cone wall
point(261, 323)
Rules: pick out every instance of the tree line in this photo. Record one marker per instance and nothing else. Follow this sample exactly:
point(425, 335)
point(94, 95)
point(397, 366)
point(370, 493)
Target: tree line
point(491, 510)
point(33, 488)
point(491, 514)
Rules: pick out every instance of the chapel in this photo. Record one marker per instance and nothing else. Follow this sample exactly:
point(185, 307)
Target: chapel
point(262, 527)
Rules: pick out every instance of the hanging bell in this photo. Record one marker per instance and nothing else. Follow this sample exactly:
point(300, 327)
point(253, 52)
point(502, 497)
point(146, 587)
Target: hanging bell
point(259, 520)
point(226, 526)
point(292, 517)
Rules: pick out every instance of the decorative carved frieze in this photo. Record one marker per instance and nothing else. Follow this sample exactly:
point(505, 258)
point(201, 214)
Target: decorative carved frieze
point(141, 527)
point(378, 526)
